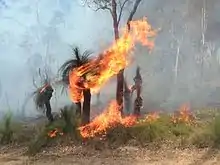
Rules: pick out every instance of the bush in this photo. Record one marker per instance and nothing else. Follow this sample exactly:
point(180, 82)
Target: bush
point(202, 138)
point(119, 135)
point(66, 125)
point(216, 129)
point(208, 135)
point(6, 131)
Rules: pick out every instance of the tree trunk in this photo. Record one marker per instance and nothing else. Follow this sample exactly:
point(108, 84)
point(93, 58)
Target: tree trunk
point(138, 85)
point(48, 111)
point(119, 90)
point(78, 108)
point(120, 76)
point(86, 107)
point(127, 98)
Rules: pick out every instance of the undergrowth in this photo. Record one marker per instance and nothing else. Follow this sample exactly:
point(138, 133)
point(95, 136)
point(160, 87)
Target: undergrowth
point(200, 134)
point(66, 125)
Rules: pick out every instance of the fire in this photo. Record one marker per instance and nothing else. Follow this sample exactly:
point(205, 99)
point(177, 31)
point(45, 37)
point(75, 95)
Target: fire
point(54, 133)
point(110, 118)
point(98, 71)
point(183, 115)
point(151, 117)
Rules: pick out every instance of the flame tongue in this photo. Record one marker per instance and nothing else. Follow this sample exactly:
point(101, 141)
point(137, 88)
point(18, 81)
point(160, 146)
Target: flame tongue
point(98, 71)
point(109, 119)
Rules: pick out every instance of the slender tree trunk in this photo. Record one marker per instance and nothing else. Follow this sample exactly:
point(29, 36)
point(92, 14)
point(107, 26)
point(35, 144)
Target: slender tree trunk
point(127, 98)
point(120, 76)
point(48, 111)
point(78, 108)
point(86, 106)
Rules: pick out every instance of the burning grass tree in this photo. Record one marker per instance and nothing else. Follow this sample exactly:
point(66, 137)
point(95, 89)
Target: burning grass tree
point(78, 61)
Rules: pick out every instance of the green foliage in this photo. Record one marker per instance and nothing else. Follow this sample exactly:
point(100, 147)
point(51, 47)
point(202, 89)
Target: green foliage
point(181, 129)
point(66, 125)
point(38, 143)
point(118, 136)
point(71, 122)
point(208, 135)
point(202, 137)
point(147, 132)
point(6, 131)
point(216, 129)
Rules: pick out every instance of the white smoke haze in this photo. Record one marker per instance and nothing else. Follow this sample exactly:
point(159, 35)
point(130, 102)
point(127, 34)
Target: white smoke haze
point(39, 32)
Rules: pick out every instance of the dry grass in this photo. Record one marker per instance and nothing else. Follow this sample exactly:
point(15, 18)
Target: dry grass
point(204, 134)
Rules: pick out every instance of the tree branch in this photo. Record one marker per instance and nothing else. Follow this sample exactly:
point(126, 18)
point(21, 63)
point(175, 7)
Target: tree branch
point(104, 8)
point(114, 9)
point(121, 10)
point(133, 11)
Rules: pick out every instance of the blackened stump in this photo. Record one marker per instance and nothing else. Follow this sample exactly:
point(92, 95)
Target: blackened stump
point(86, 106)
point(138, 86)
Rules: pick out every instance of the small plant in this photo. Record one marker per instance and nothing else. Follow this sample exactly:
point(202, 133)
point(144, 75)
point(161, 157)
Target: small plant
point(6, 131)
point(216, 129)
point(67, 124)
point(202, 138)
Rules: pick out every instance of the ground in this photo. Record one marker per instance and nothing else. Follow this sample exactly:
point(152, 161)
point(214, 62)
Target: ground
point(70, 155)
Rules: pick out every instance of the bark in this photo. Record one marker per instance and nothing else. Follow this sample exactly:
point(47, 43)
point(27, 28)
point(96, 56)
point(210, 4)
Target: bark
point(120, 76)
point(48, 111)
point(78, 108)
point(138, 85)
point(86, 107)
point(127, 98)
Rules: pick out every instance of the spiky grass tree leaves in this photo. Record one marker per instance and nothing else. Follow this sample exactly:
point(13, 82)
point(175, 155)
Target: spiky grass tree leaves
point(77, 61)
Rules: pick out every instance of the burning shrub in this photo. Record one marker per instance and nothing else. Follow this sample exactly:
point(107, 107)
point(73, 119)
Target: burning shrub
point(183, 115)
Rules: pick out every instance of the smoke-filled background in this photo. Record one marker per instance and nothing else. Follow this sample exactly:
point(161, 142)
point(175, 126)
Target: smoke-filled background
point(184, 66)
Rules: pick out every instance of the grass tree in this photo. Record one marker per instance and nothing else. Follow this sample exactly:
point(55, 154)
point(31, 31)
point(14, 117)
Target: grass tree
point(78, 60)
point(43, 95)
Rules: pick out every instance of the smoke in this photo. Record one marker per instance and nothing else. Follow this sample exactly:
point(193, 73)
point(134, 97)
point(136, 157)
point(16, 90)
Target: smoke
point(190, 76)
point(38, 34)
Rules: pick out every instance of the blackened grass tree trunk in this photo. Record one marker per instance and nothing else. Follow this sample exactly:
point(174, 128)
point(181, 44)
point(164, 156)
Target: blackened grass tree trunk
point(43, 96)
point(127, 98)
point(86, 106)
point(138, 103)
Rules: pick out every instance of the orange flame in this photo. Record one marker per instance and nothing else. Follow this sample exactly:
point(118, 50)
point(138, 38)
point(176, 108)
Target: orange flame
point(109, 119)
point(98, 71)
point(54, 133)
point(183, 115)
point(151, 117)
